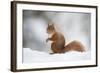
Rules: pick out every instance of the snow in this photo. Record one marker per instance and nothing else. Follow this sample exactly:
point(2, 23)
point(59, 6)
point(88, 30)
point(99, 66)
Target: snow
point(32, 56)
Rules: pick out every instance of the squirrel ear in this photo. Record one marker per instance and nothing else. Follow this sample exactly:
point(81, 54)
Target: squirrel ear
point(48, 24)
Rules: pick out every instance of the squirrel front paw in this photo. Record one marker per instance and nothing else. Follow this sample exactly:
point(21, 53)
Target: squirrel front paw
point(47, 40)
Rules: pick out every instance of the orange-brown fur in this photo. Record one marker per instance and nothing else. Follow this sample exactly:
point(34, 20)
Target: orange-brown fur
point(74, 46)
point(58, 42)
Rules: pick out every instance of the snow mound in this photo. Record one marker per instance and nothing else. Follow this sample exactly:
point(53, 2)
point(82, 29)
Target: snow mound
point(31, 56)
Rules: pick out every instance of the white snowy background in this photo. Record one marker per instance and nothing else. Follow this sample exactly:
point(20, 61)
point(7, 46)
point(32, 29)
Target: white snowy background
point(74, 26)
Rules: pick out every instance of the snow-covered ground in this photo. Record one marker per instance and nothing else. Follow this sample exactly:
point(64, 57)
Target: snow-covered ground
point(31, 56)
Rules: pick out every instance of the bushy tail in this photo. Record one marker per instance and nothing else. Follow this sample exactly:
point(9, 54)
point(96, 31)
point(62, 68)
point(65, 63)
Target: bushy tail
point(74, 46)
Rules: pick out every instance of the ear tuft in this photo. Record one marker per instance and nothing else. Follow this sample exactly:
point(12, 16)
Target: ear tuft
point(52, 24)
point(49, 23)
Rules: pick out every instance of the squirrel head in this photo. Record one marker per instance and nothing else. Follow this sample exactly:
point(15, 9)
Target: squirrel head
point(50, 28)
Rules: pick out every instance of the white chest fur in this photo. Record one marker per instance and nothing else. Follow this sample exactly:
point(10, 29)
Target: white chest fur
point(50, 35)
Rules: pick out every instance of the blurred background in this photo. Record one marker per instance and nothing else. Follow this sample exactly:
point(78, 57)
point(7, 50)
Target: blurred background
point(74, 26)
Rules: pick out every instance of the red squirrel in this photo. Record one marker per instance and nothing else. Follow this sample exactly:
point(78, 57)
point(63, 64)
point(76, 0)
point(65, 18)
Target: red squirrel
point(58, 42)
